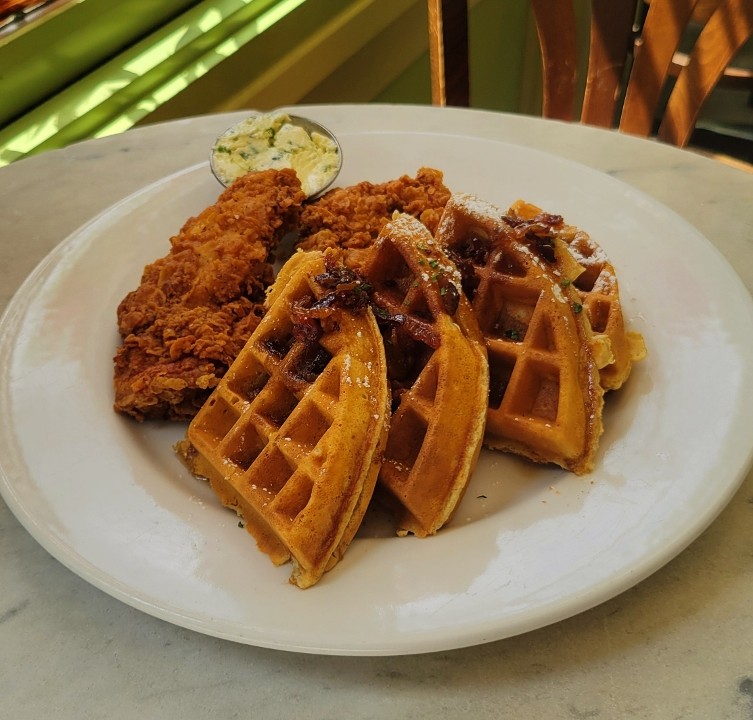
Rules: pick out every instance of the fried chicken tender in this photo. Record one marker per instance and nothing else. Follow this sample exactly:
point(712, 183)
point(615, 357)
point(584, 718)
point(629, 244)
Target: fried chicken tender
point(352, 217)
point(196, 307)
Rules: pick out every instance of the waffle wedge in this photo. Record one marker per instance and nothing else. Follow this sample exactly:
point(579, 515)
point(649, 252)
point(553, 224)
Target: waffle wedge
point(436, 365)
point(597, 286)
point(291, 438)
point(545, 400)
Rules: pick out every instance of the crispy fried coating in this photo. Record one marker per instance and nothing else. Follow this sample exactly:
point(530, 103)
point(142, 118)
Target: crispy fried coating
point(352, 217)
point(196, 307)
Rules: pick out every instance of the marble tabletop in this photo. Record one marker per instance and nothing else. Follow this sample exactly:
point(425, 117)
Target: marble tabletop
point(677, 645)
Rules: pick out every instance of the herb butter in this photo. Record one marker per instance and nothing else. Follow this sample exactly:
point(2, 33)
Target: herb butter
point(277, 141)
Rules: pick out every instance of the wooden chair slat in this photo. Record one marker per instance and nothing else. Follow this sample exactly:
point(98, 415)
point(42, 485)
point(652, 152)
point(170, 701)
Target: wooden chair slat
point(724, 34)
point(610, 44)
point(557, 31)
point(448, 52)
point(662, 31)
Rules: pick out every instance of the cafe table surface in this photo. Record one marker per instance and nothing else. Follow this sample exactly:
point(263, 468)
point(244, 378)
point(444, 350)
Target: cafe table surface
point(678, 644)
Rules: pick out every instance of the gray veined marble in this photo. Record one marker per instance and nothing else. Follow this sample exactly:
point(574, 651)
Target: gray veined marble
point(677, 645)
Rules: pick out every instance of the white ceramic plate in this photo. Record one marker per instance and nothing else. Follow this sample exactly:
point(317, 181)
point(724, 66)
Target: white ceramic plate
point(529, 545)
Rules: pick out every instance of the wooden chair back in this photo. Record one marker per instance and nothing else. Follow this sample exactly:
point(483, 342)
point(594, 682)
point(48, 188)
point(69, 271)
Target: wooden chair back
point(631, 60)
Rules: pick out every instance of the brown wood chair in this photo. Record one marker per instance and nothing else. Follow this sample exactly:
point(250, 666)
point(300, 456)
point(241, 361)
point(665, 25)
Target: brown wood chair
point(631, 60)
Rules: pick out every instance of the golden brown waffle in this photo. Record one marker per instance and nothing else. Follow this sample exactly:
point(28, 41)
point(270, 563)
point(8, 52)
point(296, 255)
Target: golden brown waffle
point(292, 436)
point(436, 363)
point(597, 285)
point(545, 400)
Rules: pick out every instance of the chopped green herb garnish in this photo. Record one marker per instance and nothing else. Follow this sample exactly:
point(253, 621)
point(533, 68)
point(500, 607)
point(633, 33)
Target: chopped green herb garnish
point(434, 263)
point(565, 282)
point(577, 308)
point(512, 334)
